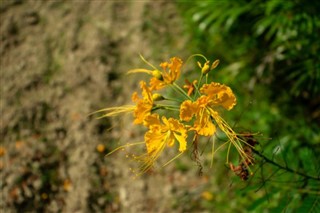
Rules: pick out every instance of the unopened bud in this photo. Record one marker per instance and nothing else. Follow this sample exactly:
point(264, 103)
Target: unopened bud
point(215, 64)
point(206, 68)
point(157, 97)
point(199, 64)
point(157, 74)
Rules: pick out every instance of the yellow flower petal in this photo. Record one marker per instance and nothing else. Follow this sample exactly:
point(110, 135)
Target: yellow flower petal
point(135, 97)
point(142, 110)
point(156, 84)
point(162, 134)
point(182, 141)
point(220, 95)
point(179, 132)
point(143, 105)
point(174, 69)
point(187, 110)
point(152, 120)
point(154, 142)
point(146, 92)
point(203, 124)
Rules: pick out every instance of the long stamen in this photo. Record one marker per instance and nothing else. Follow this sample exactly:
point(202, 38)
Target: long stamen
point(145, 61)
point(140, 71)
point(124, 146)
point(232, 136)
point(150, 159)
point(175, 157)
point(114, 111)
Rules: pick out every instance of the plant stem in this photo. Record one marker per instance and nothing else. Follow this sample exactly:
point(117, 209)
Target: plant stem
point(286, 168)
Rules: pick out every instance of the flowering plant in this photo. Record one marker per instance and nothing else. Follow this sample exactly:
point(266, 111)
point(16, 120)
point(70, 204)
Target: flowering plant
point(189, 113)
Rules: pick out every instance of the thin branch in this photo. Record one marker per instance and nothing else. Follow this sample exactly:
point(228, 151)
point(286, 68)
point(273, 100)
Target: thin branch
point(286, 168)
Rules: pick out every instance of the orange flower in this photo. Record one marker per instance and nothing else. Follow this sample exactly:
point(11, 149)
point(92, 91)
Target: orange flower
point(220, 95)
point(203, 124)
point(204, 107)
point(140, 110)
point(162, 134)
point(190, 86)
point(156, 84)
point(143, 105)
point(170, 73)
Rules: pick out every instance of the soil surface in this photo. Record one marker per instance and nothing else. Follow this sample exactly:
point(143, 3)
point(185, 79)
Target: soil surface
point(60, 61)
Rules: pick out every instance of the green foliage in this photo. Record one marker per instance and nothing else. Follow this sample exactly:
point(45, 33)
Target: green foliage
point(279, 38)
point(269, 53)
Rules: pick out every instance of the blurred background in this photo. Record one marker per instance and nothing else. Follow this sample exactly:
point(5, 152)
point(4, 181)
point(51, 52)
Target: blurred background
point(61, 60)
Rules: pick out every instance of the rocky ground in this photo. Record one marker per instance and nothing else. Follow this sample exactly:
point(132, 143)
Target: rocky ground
point(60, 61)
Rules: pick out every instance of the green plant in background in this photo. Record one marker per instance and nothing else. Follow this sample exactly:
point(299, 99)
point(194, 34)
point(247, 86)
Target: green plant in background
point(272, 51)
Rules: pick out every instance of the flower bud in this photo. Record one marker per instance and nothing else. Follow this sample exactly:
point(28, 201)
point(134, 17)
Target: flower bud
point(157, 74)
point(215, 64)
point(157, 97)
point(205, 69)
point(199, 64)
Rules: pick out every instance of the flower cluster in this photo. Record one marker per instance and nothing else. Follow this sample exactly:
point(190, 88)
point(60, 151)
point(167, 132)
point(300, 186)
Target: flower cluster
point(172, 112)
